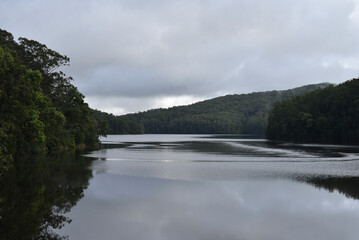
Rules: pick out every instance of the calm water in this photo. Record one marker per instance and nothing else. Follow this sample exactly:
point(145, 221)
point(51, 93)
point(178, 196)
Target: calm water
point(187, 187)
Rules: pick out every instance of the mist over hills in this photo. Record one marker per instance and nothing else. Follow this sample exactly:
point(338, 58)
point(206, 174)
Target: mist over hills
point(235, 114)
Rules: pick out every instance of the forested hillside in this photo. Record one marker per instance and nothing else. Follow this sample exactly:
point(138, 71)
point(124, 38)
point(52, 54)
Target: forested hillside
point(329, 115)
point(245, 114)
point(40, 110)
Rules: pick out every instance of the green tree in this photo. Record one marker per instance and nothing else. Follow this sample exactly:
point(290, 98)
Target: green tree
point(20, 98)
point(329, 115)
point(245, 113)
point(41, 110)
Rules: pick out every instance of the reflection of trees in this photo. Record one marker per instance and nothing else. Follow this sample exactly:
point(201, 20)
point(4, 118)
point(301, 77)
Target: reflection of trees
point(347, 186)
point(38, 192)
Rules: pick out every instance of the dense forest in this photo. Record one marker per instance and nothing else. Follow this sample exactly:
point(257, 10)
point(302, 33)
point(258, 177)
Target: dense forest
point(244, 114)
point(329, 115)
point(40, 110)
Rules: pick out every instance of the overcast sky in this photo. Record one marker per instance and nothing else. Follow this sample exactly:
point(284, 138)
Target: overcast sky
point(133, 55)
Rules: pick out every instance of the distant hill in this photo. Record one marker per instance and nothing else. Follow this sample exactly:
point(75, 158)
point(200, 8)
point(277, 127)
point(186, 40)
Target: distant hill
point(244, 114)
point(329, 115)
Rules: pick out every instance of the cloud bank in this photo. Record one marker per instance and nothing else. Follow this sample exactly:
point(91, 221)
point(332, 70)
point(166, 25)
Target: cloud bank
point(132, 55)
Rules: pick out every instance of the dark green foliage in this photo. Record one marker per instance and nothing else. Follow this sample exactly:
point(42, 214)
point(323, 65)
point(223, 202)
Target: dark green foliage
point(40, 109)
point(20, 107)
point(329, 115)
point(108, 123)
point(245, 114)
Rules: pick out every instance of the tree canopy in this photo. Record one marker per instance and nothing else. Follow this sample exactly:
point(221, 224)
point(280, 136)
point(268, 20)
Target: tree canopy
point(329, 115)
point(39, 107)
point(244, 114)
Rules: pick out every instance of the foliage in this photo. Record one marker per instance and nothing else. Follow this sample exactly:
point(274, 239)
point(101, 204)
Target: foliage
point(40, 110)
point(245, 114)
point(117, 125)
point(329, 115)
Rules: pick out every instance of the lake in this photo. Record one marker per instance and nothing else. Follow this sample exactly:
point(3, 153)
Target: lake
point(186, 187)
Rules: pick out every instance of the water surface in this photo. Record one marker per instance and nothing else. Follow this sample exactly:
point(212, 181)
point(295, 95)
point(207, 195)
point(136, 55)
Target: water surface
point(218, 187)
point(200, 187)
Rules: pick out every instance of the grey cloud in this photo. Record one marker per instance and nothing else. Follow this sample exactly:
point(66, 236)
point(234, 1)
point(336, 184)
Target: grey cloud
point(200, 48)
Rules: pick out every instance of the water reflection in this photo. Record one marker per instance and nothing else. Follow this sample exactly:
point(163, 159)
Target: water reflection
point(195, 157)
point(38, 192)
point(185, 187)
point(348, 186)
point(151, 208)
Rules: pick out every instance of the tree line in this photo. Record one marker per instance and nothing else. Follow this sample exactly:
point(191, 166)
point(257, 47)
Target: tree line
point(329, 115)
point(244, 114)
point(40, 110)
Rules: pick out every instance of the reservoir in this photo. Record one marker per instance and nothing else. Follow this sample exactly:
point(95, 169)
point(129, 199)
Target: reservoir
point(187, 187)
